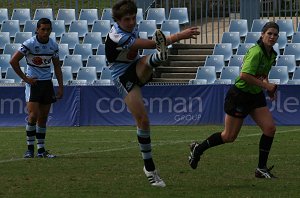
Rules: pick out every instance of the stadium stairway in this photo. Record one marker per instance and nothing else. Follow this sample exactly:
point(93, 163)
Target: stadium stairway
point(182, 64)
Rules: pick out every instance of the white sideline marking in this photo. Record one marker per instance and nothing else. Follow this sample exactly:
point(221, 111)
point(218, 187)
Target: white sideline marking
point(131, 147)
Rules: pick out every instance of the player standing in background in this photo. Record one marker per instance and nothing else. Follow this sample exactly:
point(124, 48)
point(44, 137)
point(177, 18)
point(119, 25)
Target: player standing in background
point(130, 71)
point(245, 97)
point(39, 51)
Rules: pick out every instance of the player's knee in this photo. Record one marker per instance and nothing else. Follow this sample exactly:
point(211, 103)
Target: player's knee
point(270, 130)
point(227, 138)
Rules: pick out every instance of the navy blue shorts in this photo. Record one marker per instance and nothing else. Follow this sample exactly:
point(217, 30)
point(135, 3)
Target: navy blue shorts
point(42, 92)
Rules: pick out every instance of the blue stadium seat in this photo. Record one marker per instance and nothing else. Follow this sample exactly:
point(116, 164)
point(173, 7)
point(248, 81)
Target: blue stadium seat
point(58, 27)
point(296, 37)
point(78, 82)
point(67, 15)
point(171, 26)
point(4, 62)
point(296, 74)
point(7, 81)
point(105, 74)
point(223, 81)
point(107, 15)
point(243, 48)
point(157, 14)
point(89, 14)
point(148, 51)
point(43, 13)
point(236, 60)
point(3, 15)
point(139, 15)
point(282, 40)
point(98, 61)
point(67, 74)
point(286, 60)
point(11, 26)
point(258, 24)
point(21, 14)
point(102, 26)
point(63, 50)
point(75, 61)
point(30, 26)
point(252, 37)
point(11, 48)
point(84, 50)
point(231, 37)
point(215, 60)
point(286, 25)
point(239, 25)
point(208, 73)
point(292, 49)
point(148, 26)
point(180, 14)
point(143, 35)
point(4, 39)
point(100, 49)
point(230, 73)
point(279, 72)
point(87, 73)
point(70, 38)
point(22, 36)
point(197, 82)
point(79, 26)
point(93, 38)
point(223, 49)
point(11, 74)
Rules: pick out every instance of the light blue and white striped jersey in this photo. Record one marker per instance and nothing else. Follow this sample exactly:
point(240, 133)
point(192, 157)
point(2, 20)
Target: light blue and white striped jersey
point(117, 49)
point(39, 57)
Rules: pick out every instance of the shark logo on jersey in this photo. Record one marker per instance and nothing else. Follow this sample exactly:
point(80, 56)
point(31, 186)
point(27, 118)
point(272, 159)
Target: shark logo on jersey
point(37, 60)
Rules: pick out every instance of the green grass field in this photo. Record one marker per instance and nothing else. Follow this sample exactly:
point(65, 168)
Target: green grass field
point(106, 162)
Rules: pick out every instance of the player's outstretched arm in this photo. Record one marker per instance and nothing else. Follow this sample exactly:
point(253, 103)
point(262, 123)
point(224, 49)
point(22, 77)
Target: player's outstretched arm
point(188, 33)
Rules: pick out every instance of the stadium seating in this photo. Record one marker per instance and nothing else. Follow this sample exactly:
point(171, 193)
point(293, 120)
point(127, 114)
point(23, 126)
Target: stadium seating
point(148, 26)
point(143, 35)
point(90, 15)
point(286, 60)
point(208, 73)
point(4, 39)
point(58, 27)
point(296, 74)
point(93, 38)
point(67, 74)
point(22, 36)
point(223, 49)
point(43, 13)
point(180, 14)
point(239, 25)
point(30, 26)
point(215, 60)
point(230, 73)
point(148, 51)
point(282, 40)
point(139, 15)
point(79, 26)
point(171, 26)
point(3, 15)
point(107, 15)
point(197, 82)
point(231, 37)
point(4, 62)
point(279, 72)
point(252, 37)
point(63, 50)
point(98, 61)
point(223, 81)
point(11, 26)
point(11, 74)
point(70, 38)
point(236, 60)
point(105, 74)
point(157, 14)
point(87, 73)
point(67, 15)
point(21, 14)
point(243, 48)
point(11, 48)
point(286, 25)
point(258, 24)
point(102, 26)
point(74, 60)
point(296, 37)
point(292, 49)
point(84, 50)
point(100, 49)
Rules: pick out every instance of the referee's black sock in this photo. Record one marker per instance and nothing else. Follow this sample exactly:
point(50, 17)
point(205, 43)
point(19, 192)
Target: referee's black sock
point(213, 140)
point(264, 150)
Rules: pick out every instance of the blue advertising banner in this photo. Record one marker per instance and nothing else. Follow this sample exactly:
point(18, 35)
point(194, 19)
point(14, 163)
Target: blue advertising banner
point(166, 105)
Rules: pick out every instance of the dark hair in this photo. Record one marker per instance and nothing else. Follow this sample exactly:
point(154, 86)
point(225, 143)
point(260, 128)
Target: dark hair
point(123, 8)
point(268, 25)
point(43, 21)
